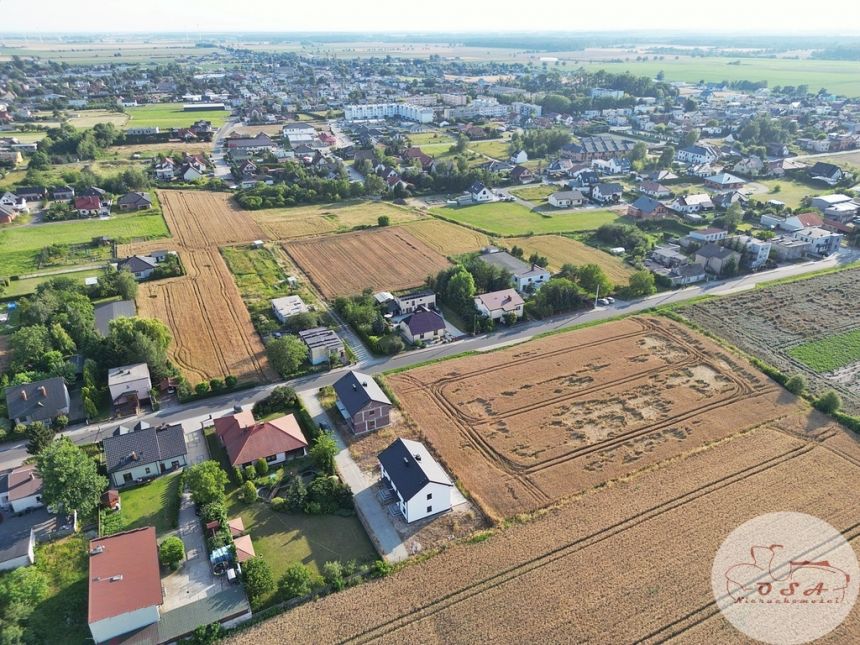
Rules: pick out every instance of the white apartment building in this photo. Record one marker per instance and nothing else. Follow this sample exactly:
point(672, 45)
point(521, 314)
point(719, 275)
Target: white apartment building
point(375, 111)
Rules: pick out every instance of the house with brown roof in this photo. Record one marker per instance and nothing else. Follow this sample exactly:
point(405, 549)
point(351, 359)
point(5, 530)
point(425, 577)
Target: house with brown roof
point(362, 403)
point(124, 584)
point(498, 304)
point(21, 489)
point(247, 440)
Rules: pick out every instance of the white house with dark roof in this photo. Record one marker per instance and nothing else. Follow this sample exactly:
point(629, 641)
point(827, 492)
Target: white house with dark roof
point(362, 403)
point(420, 485)
point(480, 193)
point(409, 302)
point(422, 325)
point(38, 401)
point(323, 345)
point(524, 276)
point(129, 381)
point(144, 453)
point(697, 154)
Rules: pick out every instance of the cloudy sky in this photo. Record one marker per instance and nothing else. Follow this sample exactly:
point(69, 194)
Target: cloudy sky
point(190, 16)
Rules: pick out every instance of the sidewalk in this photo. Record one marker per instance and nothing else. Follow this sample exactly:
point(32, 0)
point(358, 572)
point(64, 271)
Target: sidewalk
point(374, 517)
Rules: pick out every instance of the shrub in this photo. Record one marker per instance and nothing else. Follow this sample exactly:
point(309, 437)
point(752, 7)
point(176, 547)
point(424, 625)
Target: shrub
point(250, 472)
point(249, 492)
point(829, 402)
point(216, 384)
point(390, 345)
point(333, 575)
point(296, 581)
point(60, 422)
point(171, 553)
point(295, 496)
point(27, 586)
point(206, 481)
point(214, 511)
point(258, 580)
point(281, 399)
point(323, 451)
point(201, 388)
point(380, 569)
point(278, 504)
point(326, 495)
point(238, 477)
point(383, 220)
point(796, 384)
point(261, 466)
point(230, 381)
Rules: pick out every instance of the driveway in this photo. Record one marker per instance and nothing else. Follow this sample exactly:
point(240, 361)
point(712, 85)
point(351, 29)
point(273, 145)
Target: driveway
point(194, 580)
point(374, 517)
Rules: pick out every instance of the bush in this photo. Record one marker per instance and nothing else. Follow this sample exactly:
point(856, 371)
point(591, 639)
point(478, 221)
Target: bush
point(60, 422)
point(333, 575)
point(262, 467)
point(258, 581)
point(216, 384)
point(250, 472)
point(249, 492)
point(230, 381)
point(383, 220)
point(829, 402)
point(281, 399)
point(796, 384)
point(201, 388)
point(390, 345)
point(214, 511)
point(296, 581)
point(323, 450)
point(238, 477)
point(279, 504)
point(171, 553)
point(26, 586)
point(206, 481)
point(325, 495)
point(295, 495)
point(380, 569)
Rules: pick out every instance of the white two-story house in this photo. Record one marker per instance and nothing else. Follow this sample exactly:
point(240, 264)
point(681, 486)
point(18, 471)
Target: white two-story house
point(420, 485)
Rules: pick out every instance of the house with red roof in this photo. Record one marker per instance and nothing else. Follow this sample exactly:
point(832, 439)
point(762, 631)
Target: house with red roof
point(92, 206)
point(124, 584)
point(247, 440)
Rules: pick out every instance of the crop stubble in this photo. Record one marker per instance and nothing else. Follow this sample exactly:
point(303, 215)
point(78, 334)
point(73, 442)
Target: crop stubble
point(387, 258)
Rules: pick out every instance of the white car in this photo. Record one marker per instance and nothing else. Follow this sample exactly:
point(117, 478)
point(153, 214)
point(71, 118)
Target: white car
point(610, 300)
point(603, 301)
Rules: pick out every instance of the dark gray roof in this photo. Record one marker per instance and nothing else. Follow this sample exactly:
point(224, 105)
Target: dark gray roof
point(423, 321)
point(14, 545)
point(646, 204)
point(144, 446)
point(824, 169)
point(138, 263)
point(355, 390)
point(610, 188)
point(413, 295)
point(218, 607)
point(506, 261)
point(714, 251)
point(411, 467)
point(38, 406)
point(110, 310)
point(135, 199)
point(689, 270)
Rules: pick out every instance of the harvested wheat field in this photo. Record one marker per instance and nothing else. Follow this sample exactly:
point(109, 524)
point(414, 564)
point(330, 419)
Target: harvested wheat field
point(561, 250)
point(525, 427)
point(626, 563)
point(447, 238)
point(342, 217)
point(386, 258)
point(202, 220)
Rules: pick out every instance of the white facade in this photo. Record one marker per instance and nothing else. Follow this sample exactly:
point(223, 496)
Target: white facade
point(409, 302)
point(287, 307)
point(130, 378)
point(108, 628)
point(33, 501)
point(697, 155)
point(375, 111)
point(433, 498)
point(146, 471)
point(24, 560)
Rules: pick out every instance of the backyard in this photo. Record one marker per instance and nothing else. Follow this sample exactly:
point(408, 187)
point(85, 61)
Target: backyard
point(536, 193)
point(153, 504)
point(509, 218)
point(790, 192)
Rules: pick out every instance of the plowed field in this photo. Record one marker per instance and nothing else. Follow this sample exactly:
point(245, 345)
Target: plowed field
point(212, 330)
point(388, 258)
point(621, 564)
point(525, 427)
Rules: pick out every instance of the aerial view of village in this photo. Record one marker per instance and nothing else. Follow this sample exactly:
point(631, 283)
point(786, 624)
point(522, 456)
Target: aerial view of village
point(316, 327)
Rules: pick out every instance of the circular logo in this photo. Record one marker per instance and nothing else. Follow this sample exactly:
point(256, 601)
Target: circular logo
point(785, 578)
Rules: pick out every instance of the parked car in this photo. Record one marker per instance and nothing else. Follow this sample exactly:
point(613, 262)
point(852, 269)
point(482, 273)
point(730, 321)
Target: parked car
point(603, 301)
point(610, 300)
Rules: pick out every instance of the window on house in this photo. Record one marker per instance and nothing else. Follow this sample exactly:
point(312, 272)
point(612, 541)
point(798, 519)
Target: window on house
point(271, 457)
point(126, 477)
point(429, 509)
point(370, 413)
point(147, 470)
point(429, 495)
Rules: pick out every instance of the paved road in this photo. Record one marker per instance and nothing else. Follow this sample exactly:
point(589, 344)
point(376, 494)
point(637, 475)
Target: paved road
point(221, 169)
point(203, 411)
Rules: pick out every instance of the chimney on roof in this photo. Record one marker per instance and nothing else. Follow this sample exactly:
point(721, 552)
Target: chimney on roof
point(23, 395)
point(354, 388)
point(43, 390)
point(417, 457)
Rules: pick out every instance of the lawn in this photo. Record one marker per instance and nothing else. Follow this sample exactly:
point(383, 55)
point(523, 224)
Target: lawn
point(153, 504)
point(495, 148)
point(62, 616)
point(790, 192)
point(26, 136)
point(256, 272)
point(536, 193)
point(560, 250)
point(829, 353)
point(510, 219)
point(27, 286)
point(171, 115)
point(21, 245)
point(423, 138)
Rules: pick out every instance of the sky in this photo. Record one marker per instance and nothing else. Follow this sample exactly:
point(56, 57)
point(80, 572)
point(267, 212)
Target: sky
point(190, 16)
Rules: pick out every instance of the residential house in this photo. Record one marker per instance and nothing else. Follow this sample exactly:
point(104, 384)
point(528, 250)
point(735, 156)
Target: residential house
point(143, 452)
point(705, 235)
point(37, 401)
point(661, 175)
point(419, 483)
point(498, 304)
point(165, 169)
point(63, 194)
point(821, 201)
point(323, 345)
point(692, 203)
point(685, 274)
point(140, 266)
point(828, 173)
point(124, 580)
point(32, 193)
point(524, 276)
point(21, 489)
point(17, 549)
point(606, 193)
point(247, 440)
point(258, 143)
point(409, 302)
point(821, 242)
point(755, 252)
point(298, 131)
point(668, 255)
point(362, 403)
point(716, 258)
point(92, 206)
point(597, 147)
point(287, 307)
point(521, 175)
point(697, 154)
point(751, 166)
point(107, 311)
point(480, 193)
point(566, 199)
point(724, 181)
point(8, 199)
point(134, 201)
point(519, 157)
point(583, 178)
point(646, 207)
point(129, 385)
point(792, 222)
point(422, 325)
point(7, 214)
point(786, 248)
point(724, 200)
point(654, 189)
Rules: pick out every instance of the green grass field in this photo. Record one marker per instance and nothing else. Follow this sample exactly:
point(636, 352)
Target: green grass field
point(790, 192)
point(424, 138)
point(829, 353)
point(153, 504)
point(22, 244)
point(496, 148)
point(107, 53)
point(537, 193)
point(511, 219)
point(171, 115)
point(27, 286)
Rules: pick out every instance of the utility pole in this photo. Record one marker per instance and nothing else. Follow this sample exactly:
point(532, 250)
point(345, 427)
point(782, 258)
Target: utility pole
point(596, 295)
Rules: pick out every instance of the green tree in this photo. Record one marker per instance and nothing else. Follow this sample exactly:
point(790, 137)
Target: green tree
point(460, 291)
point(733, 216)
point(70, 479)
point(25, 586)
point(689, 138)
point(591, 276)
point(333, 575)
point(286, 354)
point(641, 283)
point(667, 156)
point(39, 437)
point(249, 492)
point(206, 481)
point(296, 581)
point(258, 580)
point(261, 466)
point(30, 343)
point(61, 339)
point(206, 634)
point(639, 152)
point(171, 553)
point(796, 384)
point(294, 499)
point(323, 451)
point(124, 284)
point(383, 220)
point(829, 402)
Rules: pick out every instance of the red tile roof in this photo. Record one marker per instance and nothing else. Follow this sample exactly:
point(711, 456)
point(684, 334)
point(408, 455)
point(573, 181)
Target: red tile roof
point(23, 482)
point(810, 219)
point(90, 202)
point(246, 440)
point(124, 574)
point(244, 548)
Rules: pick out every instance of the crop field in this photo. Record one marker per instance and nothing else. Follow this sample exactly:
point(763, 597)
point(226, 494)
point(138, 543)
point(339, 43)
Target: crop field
point(560, 250)
point(447, 238)
point(88, 118)
point(537, 193)
point(171, 115)
point(105, 53)
point(386, 258)
point(510, 218)
point(808, 327)
point(589, 569)
point(304, 221)
point(525, 427)
point(849, 161)
point(212, 330)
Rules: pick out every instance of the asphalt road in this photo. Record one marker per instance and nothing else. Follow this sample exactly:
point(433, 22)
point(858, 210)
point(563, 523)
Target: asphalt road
point(191, 415)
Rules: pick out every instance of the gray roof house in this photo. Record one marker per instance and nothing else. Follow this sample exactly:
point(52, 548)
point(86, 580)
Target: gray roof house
point(108, 311)
point(140, 266)
point(422, 325)
point(134, 201)
point(361, 402)
point(144, 453)
point(420, 485)
point(523, 274)
point(323, 344)
point(38, 401)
